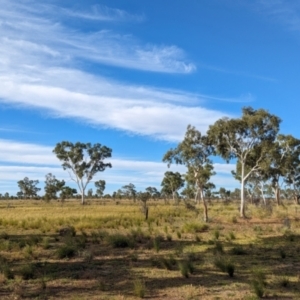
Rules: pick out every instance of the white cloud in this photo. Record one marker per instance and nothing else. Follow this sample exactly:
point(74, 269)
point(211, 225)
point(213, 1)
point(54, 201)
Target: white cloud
point(35, 161)
point(138, 110)
point(37, 31)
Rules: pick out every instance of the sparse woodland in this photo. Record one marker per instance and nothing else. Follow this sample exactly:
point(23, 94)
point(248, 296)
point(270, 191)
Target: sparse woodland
point(189, 240)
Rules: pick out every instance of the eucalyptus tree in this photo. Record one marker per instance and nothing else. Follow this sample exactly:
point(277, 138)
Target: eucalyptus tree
point(246, 139)
point(281, 164)
point(82, 161)
point(129, 191)
point(52, 186)
point(154, 193)
point(67, 193)
point(143, 197)
point(100, 187)
point(291, 146)
point(28, 187)
point(172, 183)
point(194, 152)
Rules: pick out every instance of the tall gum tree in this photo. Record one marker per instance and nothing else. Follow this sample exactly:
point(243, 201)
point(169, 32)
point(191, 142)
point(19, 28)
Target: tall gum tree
point(82, 161)
point(246, 139)
point(194, 152)
point(171, 183)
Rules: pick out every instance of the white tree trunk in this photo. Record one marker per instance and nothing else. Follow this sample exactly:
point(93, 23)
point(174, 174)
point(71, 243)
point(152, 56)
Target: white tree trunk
point(242, 208)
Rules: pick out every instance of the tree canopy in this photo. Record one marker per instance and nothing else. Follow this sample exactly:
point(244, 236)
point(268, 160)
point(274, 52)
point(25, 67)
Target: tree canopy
point(83, 161)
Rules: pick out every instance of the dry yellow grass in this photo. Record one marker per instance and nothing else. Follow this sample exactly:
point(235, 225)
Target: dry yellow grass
point(115, 248)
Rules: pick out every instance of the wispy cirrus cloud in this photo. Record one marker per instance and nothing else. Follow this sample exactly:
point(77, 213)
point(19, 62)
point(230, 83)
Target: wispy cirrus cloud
point(285, 12)
point(103, 13)
point(238, 73)
point(39, 28)
point(40, 67)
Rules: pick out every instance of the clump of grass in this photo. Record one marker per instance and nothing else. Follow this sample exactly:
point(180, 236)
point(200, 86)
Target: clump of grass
point(284, 281)
point(234, 220)
point(231, 235)
point(7, 272)
point(218, 247)
point(120, 241)
point(4, 236)
point(28, 251)
point(46, 243)
point(282, 253)
point(186, 268)
point(134, 257)
point(216, 234)
point(258, 282)
point(238, 250)
point(169, 237)
point(27, 272)
point(197, 238)
point(156, 244)
point(66, 251)
point(178, 233)
point(225, 265)
point(195, 227)
point(139, 288)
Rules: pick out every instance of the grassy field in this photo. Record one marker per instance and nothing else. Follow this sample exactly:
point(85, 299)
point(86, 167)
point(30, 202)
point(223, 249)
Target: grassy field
point(108, 251)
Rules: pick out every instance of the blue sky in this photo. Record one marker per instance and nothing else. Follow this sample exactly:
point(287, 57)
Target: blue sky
point(133, 74)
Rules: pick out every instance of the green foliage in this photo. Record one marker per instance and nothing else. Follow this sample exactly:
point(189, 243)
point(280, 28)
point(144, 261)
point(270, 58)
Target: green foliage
point(28, 187)
point(84, 160)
